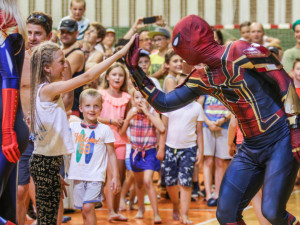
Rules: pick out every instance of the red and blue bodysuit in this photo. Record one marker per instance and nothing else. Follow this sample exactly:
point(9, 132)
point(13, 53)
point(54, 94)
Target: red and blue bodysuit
point(14, 131)
point(251, 83)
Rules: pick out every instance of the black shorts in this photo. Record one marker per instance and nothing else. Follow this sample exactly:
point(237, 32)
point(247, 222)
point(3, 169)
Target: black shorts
point(23, 166)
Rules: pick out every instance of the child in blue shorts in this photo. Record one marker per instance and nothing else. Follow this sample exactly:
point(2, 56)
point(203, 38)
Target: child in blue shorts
point(143, 122)
point(94, 144)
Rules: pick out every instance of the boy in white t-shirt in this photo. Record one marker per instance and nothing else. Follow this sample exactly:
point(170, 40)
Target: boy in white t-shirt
point(94, 148)
point(178, 149)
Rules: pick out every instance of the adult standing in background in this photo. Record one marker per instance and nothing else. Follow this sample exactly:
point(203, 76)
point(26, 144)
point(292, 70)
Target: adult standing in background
point(291, 54)
point(257, 35)
point(75, 56)
point(94, 36)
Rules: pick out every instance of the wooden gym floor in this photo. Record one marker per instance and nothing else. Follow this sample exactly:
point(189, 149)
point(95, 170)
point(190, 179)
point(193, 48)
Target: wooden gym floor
point(199, 213)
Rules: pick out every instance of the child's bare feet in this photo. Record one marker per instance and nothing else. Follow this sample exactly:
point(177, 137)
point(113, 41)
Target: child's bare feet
point(157, 219)
point(133, 207)
point(185, 220)
point(176, 215)
point(140, 214)
point(116, 217)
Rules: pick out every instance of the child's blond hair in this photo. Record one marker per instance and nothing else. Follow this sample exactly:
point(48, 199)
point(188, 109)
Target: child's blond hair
point(78, 1)
point(90, 92)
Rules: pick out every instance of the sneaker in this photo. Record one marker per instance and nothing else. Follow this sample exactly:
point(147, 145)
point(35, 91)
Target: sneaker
point(67, 211)
point(202, 193)
point(98, 205)
point(66, 219)
point(195, 193)
point(30, 212)
point(146, 200)
point(196, 189)
point(212, 202)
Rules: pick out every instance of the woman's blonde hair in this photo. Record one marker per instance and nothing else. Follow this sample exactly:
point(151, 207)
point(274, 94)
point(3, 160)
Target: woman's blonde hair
point(42, 56)
point(10, 9)
point(105, 83)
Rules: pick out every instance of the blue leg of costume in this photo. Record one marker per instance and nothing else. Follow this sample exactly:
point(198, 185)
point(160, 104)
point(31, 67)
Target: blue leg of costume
point(12, 55)
point(246, 174)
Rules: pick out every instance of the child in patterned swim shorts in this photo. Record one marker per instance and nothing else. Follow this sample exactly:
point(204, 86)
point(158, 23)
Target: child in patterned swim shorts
point(178, 150)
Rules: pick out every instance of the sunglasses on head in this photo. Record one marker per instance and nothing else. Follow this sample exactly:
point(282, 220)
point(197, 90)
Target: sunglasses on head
point(40, 18)
point(91, 126)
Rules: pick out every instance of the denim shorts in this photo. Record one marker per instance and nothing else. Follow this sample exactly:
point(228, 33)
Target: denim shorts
point(148, 162)
point(178, 165)
point(127, 164)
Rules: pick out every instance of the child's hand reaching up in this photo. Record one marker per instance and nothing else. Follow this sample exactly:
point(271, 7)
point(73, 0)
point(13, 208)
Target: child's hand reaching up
point(125, 49)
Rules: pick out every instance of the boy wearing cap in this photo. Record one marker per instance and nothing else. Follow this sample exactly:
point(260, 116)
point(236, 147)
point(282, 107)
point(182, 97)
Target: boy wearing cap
point(161, 39)
point(145, 63)
point(291, 54)
point(77, 8)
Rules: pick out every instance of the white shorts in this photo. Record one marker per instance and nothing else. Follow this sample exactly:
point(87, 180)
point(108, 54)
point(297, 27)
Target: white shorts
point(87, 192)
point(215, 143)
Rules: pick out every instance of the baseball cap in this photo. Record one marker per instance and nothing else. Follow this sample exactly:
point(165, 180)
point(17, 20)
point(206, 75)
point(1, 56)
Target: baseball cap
point(297, 22)
point(69, 25)
point(160, 31)
point(144, 53)
point(110, 30)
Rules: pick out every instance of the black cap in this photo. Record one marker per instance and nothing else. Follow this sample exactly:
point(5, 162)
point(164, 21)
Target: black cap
point(69, 25)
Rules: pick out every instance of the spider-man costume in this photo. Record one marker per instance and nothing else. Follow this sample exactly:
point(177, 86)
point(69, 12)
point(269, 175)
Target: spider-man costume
point(251, 83)
point(14, 132)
